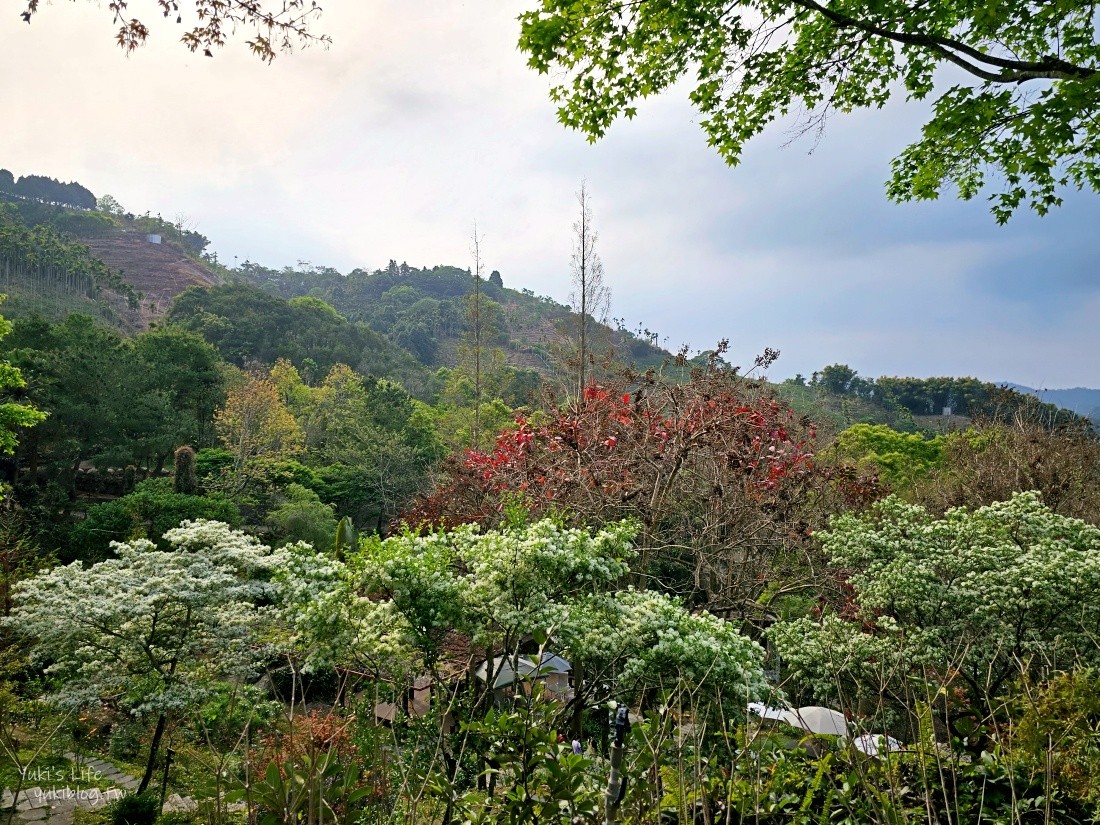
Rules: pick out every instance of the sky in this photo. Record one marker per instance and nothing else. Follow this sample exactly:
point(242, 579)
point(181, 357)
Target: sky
point(422, 119)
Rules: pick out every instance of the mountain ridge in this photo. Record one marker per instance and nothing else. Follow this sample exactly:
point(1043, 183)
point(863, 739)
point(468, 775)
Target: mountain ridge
point(1081, 400)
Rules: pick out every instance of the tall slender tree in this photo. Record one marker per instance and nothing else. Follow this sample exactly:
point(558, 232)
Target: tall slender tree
point(591, 298)
point(476, 334)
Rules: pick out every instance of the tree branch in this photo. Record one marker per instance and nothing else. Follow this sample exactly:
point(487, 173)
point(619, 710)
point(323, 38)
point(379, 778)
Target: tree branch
point(1014, 71)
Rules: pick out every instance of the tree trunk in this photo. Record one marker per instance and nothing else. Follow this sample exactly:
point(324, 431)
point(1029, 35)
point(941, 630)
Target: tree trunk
point(154, 746)
point(32, 457)
point(578, 710)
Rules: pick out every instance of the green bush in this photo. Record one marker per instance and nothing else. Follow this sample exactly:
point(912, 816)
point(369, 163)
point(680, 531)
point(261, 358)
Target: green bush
point(211, 461)
point(1056, 730)
point(163, 510)
point(150, 511)
point(91, 538)
point(135, 809)
point(302, 516)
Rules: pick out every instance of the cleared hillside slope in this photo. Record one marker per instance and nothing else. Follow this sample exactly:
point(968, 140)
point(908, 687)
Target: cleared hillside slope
point(159, 271)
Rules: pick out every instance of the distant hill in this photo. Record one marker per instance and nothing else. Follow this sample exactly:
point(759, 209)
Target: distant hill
point(424, 312)
point(837, 397)
point(55, 244)
point(1082, 400)
point(62, 250)
point(44, 270)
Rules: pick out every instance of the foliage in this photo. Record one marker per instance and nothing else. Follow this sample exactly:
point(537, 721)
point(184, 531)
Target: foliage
point(255, 424)
point(838, 786)
point(425, 312)
point(720, 476)
point(112, 401)
point(189, 370)
point(542, 779)
point(47, 189)
point(152, 630)
point(246, 324)
point(955, 606)
point(36, 256)
point(211, 461)
point(369, 443)
point(991, 460)
point(135, 809)
point(900, 458)
point(13, 414)
point(929, 396)
point(393, 605)
point(1021, 111)
point(909, 397)
point(310, 776)
point(149, 512)
point(1055, 734)
point(454, 413)
point(303, 517)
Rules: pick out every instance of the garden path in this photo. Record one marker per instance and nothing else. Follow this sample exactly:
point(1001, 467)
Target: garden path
point(55, 805)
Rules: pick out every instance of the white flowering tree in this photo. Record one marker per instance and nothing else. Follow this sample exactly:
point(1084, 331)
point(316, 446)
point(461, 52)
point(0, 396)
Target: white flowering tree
point(389, 607)
point(151, 631)
point(632, 643)
point(954, 607)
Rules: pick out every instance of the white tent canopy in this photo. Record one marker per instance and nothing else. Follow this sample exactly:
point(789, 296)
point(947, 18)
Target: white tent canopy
point(827, 721)
point(817, 719)
point(811, 718)
point(530, 667)
point(766, 712)
point(873, 744)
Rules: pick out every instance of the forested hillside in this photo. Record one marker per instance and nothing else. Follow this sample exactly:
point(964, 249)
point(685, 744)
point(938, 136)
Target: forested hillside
point(44, 270)
point(839, 397)
point(425, 310)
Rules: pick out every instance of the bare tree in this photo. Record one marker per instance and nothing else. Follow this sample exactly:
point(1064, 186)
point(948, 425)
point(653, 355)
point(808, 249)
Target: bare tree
point(474, 319)
point(591, 298)
point(182, 224)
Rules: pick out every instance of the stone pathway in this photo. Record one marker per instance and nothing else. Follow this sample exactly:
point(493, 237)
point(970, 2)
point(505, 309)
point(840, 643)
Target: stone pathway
point(95, 769)
point(55, 805)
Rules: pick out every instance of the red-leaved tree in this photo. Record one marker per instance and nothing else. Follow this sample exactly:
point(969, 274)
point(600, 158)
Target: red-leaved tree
point(720, 475)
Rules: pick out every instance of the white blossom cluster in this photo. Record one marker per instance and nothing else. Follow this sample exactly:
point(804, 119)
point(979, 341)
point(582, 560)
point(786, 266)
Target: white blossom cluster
point(973, 595)
point(515, 580)
point(390, 603)
point(647, 639)
point(152, 627)
point(333, 622)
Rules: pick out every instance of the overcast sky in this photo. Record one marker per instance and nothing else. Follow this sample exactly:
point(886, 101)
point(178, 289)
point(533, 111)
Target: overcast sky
point(422, 118)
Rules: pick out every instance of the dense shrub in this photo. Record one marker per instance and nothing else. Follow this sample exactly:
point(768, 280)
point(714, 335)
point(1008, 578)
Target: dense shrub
point(135, 809)
point(148, 512)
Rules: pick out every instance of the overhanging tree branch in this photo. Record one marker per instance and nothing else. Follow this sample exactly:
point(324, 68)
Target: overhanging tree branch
point(1015, 71)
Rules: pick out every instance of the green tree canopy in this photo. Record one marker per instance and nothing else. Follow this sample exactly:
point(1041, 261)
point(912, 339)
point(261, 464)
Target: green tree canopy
point(900, 457)
point(396, 602)
point(1017, 82)
point(13, 414)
